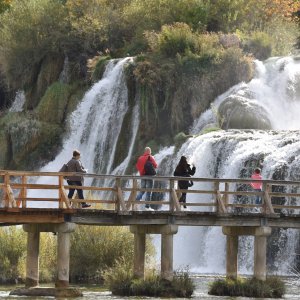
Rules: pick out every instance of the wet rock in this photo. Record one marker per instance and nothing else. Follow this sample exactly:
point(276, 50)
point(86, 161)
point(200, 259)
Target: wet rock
point(238, 112)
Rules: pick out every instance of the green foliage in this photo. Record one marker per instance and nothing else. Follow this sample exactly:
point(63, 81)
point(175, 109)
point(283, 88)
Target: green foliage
point(52, 107)
point(121, 281)
point(273, 287)
point(118, 278)
point(13, 255)
point(4, 5)
point(180, 138)
point(95, 249)
point(98, 70)
point(259, 44)
point(12, 248)
point(30, 30)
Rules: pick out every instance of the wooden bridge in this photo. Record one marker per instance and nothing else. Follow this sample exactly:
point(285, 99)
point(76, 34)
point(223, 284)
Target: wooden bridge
point(39, 201)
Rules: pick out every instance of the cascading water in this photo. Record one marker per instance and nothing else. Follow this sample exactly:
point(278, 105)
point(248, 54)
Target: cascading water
point(270, 100)
point(275, 90)
point(96, 124)
point(17, 105)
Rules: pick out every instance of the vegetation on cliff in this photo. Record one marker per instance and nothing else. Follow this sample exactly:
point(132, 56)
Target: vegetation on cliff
point(185, 50)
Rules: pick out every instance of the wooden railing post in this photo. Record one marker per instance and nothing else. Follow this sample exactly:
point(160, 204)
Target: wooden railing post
point(120, 199)
point(5, 190)
point(174, 203)
point(171, 196)
point(132, 196)
point(219, 201)
point(24, 192)
point(217, 194)
point(225, 197)
point(267, 206)
point(60, 191)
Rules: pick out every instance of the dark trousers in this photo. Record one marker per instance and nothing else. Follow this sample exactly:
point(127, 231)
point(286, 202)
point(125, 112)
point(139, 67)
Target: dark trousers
point(183, 186)
point(71, 191)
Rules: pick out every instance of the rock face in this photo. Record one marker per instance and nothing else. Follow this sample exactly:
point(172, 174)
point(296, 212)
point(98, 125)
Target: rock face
point(238, 112)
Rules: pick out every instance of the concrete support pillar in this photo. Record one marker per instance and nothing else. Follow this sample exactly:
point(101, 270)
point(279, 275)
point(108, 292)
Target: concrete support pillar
point(139, 254)
point(232, 244)
point(32, 261)
point(260, 257)
point(167, 256)
point(63, 259)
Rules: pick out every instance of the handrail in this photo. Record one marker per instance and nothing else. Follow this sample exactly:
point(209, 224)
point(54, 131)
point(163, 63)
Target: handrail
point(16, 189)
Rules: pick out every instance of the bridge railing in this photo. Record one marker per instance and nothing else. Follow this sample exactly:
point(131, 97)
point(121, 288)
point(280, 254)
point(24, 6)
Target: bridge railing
point(29, 190)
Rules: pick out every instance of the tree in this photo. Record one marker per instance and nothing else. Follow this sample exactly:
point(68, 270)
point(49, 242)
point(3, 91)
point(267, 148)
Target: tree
point(30, 30)
point(4, 5)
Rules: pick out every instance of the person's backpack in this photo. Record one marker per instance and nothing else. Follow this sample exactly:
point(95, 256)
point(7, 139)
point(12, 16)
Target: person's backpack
point(149, 168)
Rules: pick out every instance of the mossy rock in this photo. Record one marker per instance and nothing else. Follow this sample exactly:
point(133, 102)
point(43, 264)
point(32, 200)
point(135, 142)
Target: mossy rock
point(47, 73)
point(31, 142)
point(59, 100)
point(4, 149)
point(99, 69)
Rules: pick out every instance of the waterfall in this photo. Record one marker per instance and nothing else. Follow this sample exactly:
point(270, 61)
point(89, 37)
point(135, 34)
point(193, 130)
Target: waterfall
point(275, 89)
point(18, 104)
point(234, 154)
point(95, 125)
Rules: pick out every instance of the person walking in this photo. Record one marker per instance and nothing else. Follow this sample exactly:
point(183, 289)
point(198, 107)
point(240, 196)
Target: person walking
point(146, 166)
point(184, 169)
point(257, 186)
point(75, 165)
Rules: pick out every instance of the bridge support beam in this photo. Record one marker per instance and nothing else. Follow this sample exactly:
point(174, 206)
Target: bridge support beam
point(63, 254)
point(260, 249)
point(139, 255)
point(167, 232)
point(63, 259)
point(232, 256)
point(167, 256)
point(32, 260)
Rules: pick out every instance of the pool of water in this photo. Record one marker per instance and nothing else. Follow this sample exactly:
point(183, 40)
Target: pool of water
point(202, 284)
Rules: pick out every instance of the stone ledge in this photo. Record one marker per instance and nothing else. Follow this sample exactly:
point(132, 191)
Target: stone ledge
point(52, 292)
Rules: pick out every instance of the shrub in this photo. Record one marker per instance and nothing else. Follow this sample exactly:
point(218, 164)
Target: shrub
point(273, 287)
point(13, 255)
point(95, 249)
point(173, 39)
point(259, 44)
point(12, 249)
point(97, 67)
point(180, 138)
point(118, 279)
point(121, 281)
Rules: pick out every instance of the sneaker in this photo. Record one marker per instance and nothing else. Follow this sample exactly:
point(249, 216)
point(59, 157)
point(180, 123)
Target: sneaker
point(85, 205)
point(256, 210)
point(149, 209)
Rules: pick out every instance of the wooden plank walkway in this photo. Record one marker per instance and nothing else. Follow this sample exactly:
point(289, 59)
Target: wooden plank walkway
point(41, 197)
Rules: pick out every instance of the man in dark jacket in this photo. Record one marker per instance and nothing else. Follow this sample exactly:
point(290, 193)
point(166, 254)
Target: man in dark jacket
point(75, 166)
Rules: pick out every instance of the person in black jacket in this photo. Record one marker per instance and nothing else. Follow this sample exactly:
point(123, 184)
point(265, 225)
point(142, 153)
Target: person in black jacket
point(184, 169)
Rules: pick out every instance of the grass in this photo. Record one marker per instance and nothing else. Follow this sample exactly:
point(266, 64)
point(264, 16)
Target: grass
point(273, 287)
point(121, 282)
